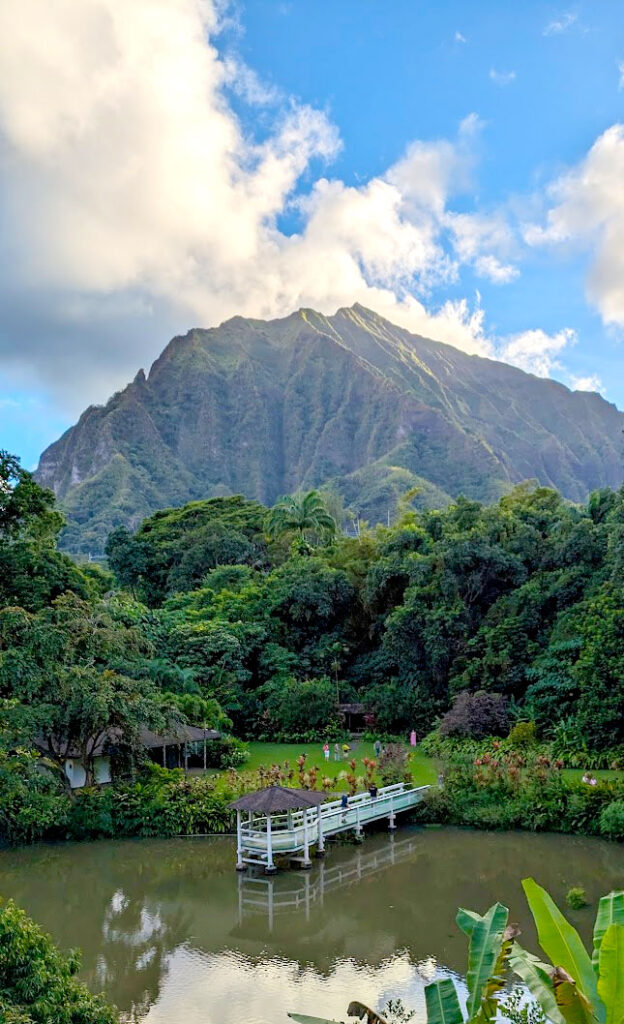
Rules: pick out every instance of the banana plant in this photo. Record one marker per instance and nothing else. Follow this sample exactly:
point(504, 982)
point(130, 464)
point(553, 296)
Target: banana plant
point(491, 940)
point(575, 988)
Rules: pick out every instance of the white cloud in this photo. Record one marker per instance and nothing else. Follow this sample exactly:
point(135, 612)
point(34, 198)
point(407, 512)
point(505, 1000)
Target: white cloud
point(587, 209)
point(486, 242)
point(536, 351)
point(589, 383)
point(502, 78)
point(460, 38)
point(560, 24)
point(621, 73)
point(133, 195)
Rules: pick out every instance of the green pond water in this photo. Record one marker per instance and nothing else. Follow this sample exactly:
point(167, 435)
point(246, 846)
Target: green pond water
point(173, 935)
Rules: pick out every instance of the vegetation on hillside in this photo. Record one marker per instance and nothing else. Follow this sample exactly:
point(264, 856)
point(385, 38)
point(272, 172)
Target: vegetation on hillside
point(349, 400)
point(474, 619)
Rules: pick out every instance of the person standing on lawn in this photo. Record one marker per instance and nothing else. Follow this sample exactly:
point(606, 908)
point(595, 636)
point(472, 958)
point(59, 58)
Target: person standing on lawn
point(336, 752)
point(326, 750)
point(377, 748)
point(413, 738)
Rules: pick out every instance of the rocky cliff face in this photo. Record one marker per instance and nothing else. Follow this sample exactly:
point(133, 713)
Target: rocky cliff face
point(264, 407)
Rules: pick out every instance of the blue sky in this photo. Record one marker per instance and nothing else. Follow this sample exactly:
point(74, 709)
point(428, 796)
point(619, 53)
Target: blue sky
point(458, 167)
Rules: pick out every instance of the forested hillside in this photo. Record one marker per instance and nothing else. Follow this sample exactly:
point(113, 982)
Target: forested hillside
point(350, 401)
point(260, 621)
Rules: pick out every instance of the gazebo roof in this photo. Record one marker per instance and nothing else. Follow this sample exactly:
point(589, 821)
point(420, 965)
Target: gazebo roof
point(278, 798)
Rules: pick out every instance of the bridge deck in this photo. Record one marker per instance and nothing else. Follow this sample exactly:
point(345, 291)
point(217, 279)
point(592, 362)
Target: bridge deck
point(287, 834)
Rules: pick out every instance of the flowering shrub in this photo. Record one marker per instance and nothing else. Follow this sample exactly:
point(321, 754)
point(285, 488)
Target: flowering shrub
point(504, 789)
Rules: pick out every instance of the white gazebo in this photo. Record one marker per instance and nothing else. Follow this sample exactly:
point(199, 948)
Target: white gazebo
point(270, 807)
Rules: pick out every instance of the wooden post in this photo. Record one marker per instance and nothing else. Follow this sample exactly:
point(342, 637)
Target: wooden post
point(240, 864)
point(164, 753)
point(270, 868)
point(306, 863)
point(320, 848)
point(186, 758)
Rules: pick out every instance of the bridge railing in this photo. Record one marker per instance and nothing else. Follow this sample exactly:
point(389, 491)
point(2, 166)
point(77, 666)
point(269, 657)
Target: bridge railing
point(289, 831)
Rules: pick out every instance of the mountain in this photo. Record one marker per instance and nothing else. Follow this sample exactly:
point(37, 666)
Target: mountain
point(265, 407)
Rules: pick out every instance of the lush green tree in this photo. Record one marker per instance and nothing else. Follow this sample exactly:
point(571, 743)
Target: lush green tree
point(32, 571)
point(38, 983)
point(58, 677)
point(295, 708)
point(302, 515)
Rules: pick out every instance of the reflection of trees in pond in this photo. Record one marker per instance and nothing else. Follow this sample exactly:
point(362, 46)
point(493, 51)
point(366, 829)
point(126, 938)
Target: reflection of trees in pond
point(131, 905)
point(125, 905)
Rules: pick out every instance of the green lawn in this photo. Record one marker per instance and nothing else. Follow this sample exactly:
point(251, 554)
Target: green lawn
point(423, 768)
point(576, 774)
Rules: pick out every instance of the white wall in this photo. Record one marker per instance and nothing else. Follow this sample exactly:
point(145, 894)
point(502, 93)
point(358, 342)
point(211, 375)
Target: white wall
point(74, 770)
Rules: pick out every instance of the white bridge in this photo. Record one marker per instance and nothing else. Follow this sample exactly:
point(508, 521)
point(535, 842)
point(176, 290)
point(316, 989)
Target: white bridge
point(262, 837)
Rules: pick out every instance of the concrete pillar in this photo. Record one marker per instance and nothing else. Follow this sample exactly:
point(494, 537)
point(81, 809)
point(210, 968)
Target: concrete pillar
point(307, 863)
point(320, 848)
point(358, 827)
point(392, 817)
point(240, 864)
point(270, 867)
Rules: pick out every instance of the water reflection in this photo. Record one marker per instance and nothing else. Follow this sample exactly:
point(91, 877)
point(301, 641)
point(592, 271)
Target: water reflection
point(298, 891)
point(172, 933)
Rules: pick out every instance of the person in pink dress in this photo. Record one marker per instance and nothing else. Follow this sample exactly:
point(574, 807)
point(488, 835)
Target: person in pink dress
point(413, 738)
point(326, 751)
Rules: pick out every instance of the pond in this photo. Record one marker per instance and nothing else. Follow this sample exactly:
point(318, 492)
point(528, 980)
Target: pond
point(174, 936)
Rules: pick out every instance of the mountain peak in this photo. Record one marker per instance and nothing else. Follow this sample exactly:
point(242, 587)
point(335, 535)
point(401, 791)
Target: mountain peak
point(257, 407)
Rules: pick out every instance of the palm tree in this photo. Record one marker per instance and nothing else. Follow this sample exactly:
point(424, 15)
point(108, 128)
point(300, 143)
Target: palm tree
point(302, 514)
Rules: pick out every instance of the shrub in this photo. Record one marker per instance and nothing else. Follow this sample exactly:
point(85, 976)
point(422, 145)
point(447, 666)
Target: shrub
point(32, 802)
point(476, 715)
point(38, 983)
point(393, 764)
point(228, 752)
point(523, 734)
point(576, 897)
point(612, 820)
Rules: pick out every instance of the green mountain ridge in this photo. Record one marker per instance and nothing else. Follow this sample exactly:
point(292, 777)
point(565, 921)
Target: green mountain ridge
point(265, 407)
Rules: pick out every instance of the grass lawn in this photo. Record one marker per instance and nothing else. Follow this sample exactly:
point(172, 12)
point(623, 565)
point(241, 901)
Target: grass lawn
point(423, 768)
point(576, 774)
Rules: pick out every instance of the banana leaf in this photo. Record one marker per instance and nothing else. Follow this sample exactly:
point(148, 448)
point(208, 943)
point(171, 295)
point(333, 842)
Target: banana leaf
point(466, 920)
point(361, 1010)
point(498, 977)
point(610, 911)
point(562, 944)
point(485, 947)
point(303, 1018)
point(574, 1006)
point(442, 1003)
point(611, 976)
point(536, 976)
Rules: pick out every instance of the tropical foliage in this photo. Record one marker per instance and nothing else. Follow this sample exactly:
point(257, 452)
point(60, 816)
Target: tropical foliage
point(478, 619)
point(573, 986)
point(38, 983)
